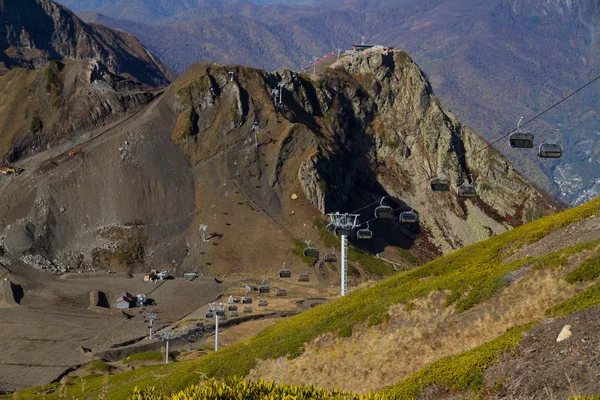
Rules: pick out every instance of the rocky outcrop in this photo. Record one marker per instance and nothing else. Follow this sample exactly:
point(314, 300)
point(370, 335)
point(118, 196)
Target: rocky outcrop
point(256, 167)
point(369, 127)
point(33, 32)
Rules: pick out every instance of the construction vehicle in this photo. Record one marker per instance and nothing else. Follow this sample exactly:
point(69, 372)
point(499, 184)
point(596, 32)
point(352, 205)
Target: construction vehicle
point(9, 169)
point(75, 151)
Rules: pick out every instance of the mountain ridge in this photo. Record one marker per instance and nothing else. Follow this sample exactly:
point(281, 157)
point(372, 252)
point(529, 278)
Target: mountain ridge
point(490, 62)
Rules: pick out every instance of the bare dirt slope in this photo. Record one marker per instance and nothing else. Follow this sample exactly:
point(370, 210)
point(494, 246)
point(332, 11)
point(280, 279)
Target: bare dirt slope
point(541, 365)
point(133, 197)
point(53, 327)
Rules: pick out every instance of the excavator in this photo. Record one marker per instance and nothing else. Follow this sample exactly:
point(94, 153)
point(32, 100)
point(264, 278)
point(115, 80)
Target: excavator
point(8, 169)
point(75, 151)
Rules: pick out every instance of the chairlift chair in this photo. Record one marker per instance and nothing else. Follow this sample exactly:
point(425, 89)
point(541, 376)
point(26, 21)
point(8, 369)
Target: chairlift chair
point(408, 217)
point(282, 292)
point(383, 211)
point(440, 184)
point(520, 139)
point(246, 299)
point(550, 150)
point(364, 234)
point(304, 277)
point(343, 231)
point(264, 288)
point(310, 251)
point(263, 303)
point(285, 273)
point(466, 190)
point(331, 257)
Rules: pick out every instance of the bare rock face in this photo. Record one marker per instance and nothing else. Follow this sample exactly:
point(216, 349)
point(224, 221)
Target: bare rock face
point(231, 153)
point(33, 32)
point(370, 127)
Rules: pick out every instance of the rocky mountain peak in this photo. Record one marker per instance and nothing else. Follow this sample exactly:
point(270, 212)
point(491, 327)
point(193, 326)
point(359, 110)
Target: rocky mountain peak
point(33, 32)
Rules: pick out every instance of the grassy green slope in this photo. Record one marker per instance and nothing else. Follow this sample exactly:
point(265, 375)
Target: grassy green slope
point(471, 275)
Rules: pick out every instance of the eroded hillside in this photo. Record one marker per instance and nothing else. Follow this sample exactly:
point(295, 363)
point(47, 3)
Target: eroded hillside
point(512, 316)
point(368, 128)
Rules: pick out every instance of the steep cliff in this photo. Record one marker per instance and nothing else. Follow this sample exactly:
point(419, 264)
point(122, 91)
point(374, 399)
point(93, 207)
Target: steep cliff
point(33, 32)
point(367, 128)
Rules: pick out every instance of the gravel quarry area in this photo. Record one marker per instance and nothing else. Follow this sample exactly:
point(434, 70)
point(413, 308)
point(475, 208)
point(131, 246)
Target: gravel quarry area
point(49, 325)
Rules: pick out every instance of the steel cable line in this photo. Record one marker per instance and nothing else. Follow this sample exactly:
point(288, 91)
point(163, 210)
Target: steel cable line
point(537, 116)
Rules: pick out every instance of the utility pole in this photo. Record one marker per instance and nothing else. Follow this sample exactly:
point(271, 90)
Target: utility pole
point(343, 224)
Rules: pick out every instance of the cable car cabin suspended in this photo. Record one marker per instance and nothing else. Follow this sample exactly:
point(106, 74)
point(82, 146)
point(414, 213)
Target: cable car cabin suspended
point(310, 251)
point(520, 139)
point(282, 292)
point(550, 150)
point(234, 314)
point(285, 273)
point(305, 277)
point(232, 307)
point(247, 309)
point(364, 234)
point(466, 191)
point(408, 217)
point(263, 303)
point(440, 184)
point(210, 315)
point(383, 211)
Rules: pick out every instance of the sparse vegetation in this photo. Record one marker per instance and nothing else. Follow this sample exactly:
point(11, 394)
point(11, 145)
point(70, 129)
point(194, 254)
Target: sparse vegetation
point(586, 299)
point(588, 271)
point(299, 251)
point(460, 373)
point(236, 388)
point(98, 367)
point(471, 275)
point(148, 356)
point(35, 125)
point(368, 262)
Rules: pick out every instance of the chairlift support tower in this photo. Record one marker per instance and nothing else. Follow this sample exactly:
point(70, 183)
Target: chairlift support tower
point(151, 317)
point(343, 224)
point(166, 337)
point(218, 310)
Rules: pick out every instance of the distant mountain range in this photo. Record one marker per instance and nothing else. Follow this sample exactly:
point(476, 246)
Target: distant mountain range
point(491, 62)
